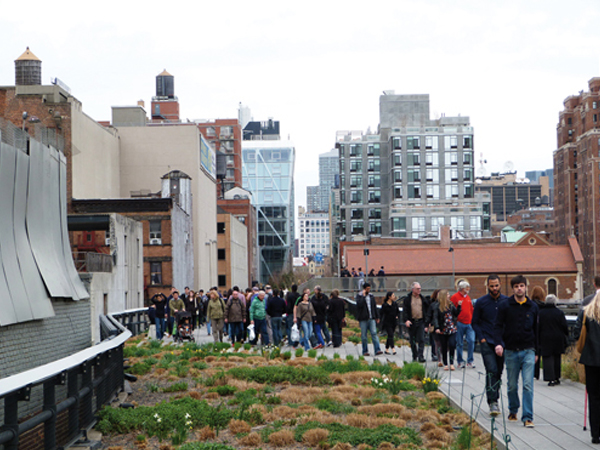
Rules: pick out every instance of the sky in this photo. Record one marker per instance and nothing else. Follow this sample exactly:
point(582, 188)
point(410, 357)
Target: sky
point(320, 66)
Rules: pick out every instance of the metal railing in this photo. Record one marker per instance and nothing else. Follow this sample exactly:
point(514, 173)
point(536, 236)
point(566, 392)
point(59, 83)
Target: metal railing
point(73, 390)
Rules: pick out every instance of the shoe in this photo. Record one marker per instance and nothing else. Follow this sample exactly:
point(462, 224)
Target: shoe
point(451, 367)
point(319, 346)
point(556, 382)
point(512, 417)
point(551, 383)
point(366, 354)
point(471, 365)
point(434, 358)
point(394, 352)
point(528, 424)
point(440, 364)
point(379, 353)
point(461, 365)
point(387, 353)
point(422, 360)
point(596, 440)
point(445, 367)
point(328, 344)
point(494, 410)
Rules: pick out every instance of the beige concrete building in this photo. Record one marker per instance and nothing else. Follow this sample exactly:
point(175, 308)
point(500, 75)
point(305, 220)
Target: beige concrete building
point(232, 253)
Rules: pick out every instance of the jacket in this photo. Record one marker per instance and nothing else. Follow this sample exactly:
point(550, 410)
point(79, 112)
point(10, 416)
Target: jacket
point(407, 307)
point(176, 305)
point(160, 301)
point(590, 356)
point(516, 325)
point(305, 312)
point(276, 307)
point(484, 317)
point(362, 311)
point(390, 314)
point(235, 310)
point(320, 304)
point(337, 308)
point(215, 309)
point(438, 318)
point(291, 298)
point(553, 330)
point(257, 309)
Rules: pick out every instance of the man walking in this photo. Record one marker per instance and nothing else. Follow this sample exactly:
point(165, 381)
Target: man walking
point(258, 318)
point(484, 318)
point(515, 335)
point(463, 325)
point(368, 318)
point(415, 308)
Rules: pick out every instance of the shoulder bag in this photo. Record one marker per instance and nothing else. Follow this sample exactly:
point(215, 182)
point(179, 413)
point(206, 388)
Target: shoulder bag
point(582, 336)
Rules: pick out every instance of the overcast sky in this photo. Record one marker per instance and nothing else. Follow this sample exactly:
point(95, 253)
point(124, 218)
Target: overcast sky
point(320, 66)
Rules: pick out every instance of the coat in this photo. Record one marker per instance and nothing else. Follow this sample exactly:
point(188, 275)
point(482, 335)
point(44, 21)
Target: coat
point(552, 330)
point(591, 350)
point(362, 310)
point(390, 314)
point(215, 309)
point(235, 310)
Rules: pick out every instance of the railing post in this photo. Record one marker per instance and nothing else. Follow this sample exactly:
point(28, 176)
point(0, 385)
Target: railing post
point(86, 400)
point(11, 419)
point(50, 405)
point(73, 392)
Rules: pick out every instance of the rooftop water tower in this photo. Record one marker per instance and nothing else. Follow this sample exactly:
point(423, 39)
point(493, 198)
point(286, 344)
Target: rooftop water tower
point(165, 85)
point(28, 69)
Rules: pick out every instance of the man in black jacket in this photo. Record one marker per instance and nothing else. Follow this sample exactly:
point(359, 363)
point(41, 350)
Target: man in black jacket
point(368, 318)
point(515, 335)
point(415, 308)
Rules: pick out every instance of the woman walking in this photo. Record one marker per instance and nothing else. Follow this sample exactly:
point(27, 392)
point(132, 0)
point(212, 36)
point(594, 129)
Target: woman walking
point(215, 312)
point(391, 313)
point(436, 346)
point(590, 358)
point(303, 314)
point(444, 324)
point(553, 332)
point(337, 313)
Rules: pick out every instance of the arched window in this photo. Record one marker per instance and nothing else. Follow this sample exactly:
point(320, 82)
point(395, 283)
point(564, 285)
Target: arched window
point(552, 287)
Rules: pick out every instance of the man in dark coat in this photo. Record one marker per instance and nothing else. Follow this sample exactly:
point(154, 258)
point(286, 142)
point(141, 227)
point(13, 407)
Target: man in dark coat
point(415, 308)
point(553, 332)
point(368, 318)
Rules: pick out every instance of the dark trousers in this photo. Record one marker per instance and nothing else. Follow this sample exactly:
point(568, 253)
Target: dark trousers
point(276, 327)
point(448, 347)
point(493, 371)
point(237, 331)
point(389, 329)
point(416, 334)
point(592, 383)
point(336, 332)
point(260, 326)
point(552, 367)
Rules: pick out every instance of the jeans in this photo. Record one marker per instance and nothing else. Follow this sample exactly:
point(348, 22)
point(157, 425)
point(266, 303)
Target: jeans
point(522, 361)
point(236, 331)
point(464, 329)
point(307, 330)
point(318, 328)
point(369, 326)
point(276, 326)
point(326, 332)
point(208, 326)
point(493, 371)
point(260, 326)
point(416, 333)
point(160, 327)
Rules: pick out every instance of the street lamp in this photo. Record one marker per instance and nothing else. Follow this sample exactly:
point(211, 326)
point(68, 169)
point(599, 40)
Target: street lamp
point(451, 250)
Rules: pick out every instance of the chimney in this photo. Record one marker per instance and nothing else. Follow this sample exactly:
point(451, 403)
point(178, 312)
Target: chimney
point(445, 241)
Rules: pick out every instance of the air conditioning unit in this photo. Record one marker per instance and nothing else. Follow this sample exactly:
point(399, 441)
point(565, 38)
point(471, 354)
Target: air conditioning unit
point(155, 241)
point(107, 242)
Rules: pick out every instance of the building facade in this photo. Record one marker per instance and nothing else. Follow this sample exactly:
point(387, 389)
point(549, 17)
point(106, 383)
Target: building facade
point(318, 197)
point(232, 251)
point(314, 237)
point(268, 174)
point(577, 177)
point(413, 176)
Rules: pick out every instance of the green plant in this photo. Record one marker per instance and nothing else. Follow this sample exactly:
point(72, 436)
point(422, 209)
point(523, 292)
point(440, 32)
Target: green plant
point(410, 401)
point(322, 358)
point(176, 387)
point(334, 407)
point(152, 387)
point(247, 346)
point(140, 437)
point(309, 375)
point(392, 385)
point(336, 356)
point(275, 353)
point(354, 339)
point(463, 441)
point(349, 357)
point(155, 345)
point(413, 370)
point(216, 379)
point(237, 346)
point(200, 365)
point(286, 355)
point(223, 390)
point(312, 353)
point(140, 368)
point(430, 384)
point(299, 352)
point(356, 436)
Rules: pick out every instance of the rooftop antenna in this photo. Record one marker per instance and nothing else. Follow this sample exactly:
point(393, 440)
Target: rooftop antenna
point(481, 172)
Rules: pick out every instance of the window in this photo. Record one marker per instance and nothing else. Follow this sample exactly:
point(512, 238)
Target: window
point(375, 213)
point(227, 131)
point(468, 191)
point(450, 142)
point(397, 176)
point(220, 227)
point(399, 224)
point(467, 141)
point(433, 191)
point(155, 232)
point(451, 158)
point(398, 159)
point(356, 197)
point(468, 174)
point(373, 149)
point(155, 273)
point(552, 286)
point(451, 174)
point(432, 159)
point(436, 223)
point(342, 164)
point(355, 149)
point(358, 228)
point(356, 165)
point(457, 223)
point(413, 142)
point(414, 191)
point(342, 149)
point(375, 228)
point(468, 158)
point(221, 254)
point(475, 223)
point(356, 181)
point(222, 280)
point(374, 196)
point(433, 175)
point(414, 175)
point(374, 165)
point(431, 142)
point(356, 214)
point(418, 226)
point(398, 192)
point(396, 142)
point(210, 131)
point(413, 159)
point(374, 180)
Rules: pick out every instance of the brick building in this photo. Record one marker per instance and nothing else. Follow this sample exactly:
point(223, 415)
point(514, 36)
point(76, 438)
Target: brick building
point(538, 218)
point(577, 177)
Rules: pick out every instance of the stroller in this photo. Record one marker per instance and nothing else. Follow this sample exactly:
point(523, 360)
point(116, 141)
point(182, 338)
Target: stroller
point(183, 320)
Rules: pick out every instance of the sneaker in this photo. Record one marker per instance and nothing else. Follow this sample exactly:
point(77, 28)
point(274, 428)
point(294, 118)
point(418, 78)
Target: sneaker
point(422, 360)
point(318, 346)
point(512, 417)
point(328, 344)
point(494, 410)
point(366, 354)
point(440, 364)
point(379, 353)
point(528, 424)
point(461, 365)
point(471, 365)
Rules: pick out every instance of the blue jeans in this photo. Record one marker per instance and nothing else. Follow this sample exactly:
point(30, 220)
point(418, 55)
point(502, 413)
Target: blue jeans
point(318, 328)
point(464, 329)
point(307, 330)
point(493, 371)
point(523, 362)
point(371, 327)
point(160, 327)
point(260, 326)
point(208, 326)
point(276, 327)
point(236, 331)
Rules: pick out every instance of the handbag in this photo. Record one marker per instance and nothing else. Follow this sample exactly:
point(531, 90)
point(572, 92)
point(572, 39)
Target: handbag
point(582, 337)
point(251, 333)
point(295, 334)
point(344, 324)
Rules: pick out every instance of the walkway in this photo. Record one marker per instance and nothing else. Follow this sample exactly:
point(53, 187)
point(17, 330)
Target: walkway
point(558, 410)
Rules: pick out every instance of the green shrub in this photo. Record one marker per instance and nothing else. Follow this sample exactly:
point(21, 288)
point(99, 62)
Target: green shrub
point(309, 375)
point(224, 390)
point(299, 352)
point(312, 353)
point(286, 355)
point(140, 368)
point(327, 404)
point(200, 365)
point(176, 387)
point(413, 370)
point(356, 436)
point(247, 346)
point(354, 339)
point(336, 356)
point(349, 357)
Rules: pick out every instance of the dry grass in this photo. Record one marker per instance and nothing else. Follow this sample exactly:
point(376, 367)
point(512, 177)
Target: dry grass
point(243, 385)
point(342, 446)
point(196, 395)
point(211, 396)
point(225, 364)
point(256, 360)
point(435, 395)
point(301, 395)
point(386, 446)
point(239, 426)
point(321, 417)
point(360, 377)
point(282, 412)
point(427, 415)
point(337, 379)
point(314, 436)
point(282, 438)
point(206, 433)
point(250, 440)
point(382, 408)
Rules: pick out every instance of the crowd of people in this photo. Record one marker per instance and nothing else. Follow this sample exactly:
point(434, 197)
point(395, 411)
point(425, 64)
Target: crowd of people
point(515, 332)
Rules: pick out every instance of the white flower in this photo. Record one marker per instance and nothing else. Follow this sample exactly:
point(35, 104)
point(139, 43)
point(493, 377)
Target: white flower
point(156, 416)
point(158, 420)
point(187, 415)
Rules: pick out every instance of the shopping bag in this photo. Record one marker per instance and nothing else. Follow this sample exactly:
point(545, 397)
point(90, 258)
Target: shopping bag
point(251, 333)
point(295, 334)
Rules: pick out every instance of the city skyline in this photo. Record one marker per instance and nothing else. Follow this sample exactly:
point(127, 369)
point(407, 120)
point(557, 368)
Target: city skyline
point(473, 59)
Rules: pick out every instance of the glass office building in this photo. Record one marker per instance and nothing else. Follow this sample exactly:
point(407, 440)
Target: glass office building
point(268, 173)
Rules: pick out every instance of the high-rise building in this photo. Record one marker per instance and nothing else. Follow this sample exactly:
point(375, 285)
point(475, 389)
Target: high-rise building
point(314, 236)
point(577, 177)
point(415, 175)
point(268, 173)
point(317, 197)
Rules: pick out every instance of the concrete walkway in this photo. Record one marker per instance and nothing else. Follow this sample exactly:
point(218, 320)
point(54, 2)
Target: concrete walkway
point(558, 410)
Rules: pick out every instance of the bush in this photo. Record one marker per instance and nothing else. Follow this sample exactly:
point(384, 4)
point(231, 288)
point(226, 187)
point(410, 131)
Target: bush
point(310, 375)
point(312, 353)
point(224, 390)
point(299, 352)
point(176, 387)
point(286, 355)
point(355, 436)
point(413, 370)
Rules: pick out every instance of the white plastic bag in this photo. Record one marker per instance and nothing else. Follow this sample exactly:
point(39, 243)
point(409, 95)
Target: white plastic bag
point(251, 334)
point(295, 334)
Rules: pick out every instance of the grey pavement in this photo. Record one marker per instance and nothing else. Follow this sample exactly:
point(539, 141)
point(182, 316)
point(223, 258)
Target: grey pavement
point(558, 411)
